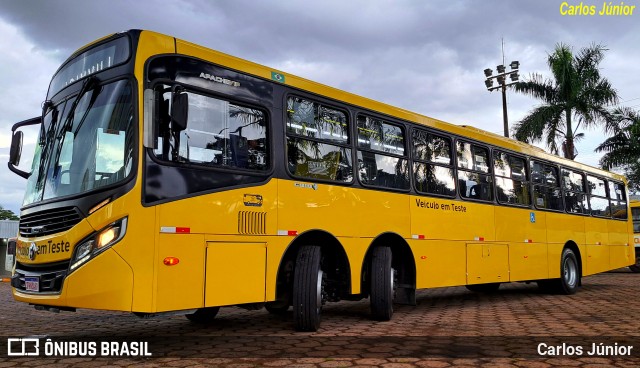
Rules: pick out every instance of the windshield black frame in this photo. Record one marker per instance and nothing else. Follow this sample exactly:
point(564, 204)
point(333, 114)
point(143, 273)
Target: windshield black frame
point(109, 190)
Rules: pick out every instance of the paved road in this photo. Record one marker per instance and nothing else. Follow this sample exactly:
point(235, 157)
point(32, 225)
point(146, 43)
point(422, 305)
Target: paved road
point(448, 327)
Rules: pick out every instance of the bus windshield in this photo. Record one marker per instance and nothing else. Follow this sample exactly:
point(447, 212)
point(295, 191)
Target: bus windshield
point(85, 148)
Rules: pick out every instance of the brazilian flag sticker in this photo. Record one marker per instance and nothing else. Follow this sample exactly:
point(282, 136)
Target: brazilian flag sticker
point(277, 77)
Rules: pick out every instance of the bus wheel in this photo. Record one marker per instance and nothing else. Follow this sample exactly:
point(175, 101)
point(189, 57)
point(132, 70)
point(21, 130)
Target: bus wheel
point(307, 289)
point(277, 307)
point(484, 288)
point(382, 284)
point(203, 316)
point(569, 274)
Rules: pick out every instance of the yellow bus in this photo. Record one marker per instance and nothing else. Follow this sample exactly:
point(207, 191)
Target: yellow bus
point(635, 214)
point(170, 177)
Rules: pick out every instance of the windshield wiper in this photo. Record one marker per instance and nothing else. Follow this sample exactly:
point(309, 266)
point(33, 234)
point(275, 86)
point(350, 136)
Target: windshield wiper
point(88, 85)
point(45, 108)
point(46, 142)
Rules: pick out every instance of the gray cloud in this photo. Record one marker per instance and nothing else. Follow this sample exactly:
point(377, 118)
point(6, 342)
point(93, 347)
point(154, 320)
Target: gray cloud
point(425, 56)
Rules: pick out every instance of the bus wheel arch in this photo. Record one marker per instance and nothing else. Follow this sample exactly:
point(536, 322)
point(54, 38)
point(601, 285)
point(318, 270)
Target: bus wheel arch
point(403, 263)
point(335, 264)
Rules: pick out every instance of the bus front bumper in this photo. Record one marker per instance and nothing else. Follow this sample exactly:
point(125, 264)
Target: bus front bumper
point(105, 282)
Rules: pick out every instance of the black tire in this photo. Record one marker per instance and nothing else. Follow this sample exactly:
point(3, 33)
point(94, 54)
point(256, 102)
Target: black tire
point(569, 279)
point(277, 307)
point(307, 289)
point(569, 273)
point(382, 284)
point(203, 316)
point(484, 288)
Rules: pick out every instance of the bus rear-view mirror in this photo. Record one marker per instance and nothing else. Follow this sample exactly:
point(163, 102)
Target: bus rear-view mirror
point(180, 111)
point(16, 148)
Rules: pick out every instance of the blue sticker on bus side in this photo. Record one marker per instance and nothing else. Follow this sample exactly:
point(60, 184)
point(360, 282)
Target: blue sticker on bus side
point(532, 217)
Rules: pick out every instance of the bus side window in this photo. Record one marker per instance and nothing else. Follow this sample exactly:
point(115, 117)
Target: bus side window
point(382, 158)
point(598, 201)
point(546, 187)
point(511, 179)
point(618, 198)
point(318, 144)
point(432, 167)
point(575, 195)
point(474, 174)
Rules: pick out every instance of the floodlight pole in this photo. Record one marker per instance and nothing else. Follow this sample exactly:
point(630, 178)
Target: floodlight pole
point(501, 78)
point(504, 110)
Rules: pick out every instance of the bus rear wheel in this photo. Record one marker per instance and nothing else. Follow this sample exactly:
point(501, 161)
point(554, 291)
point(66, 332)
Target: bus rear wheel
point(569, 279)
point(569, 273)
point(307, 289)
point(203, 316)
point(382, 284)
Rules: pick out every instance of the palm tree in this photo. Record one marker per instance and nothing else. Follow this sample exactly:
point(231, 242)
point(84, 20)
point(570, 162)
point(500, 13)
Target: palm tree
point(623, 147)
point(577, 95)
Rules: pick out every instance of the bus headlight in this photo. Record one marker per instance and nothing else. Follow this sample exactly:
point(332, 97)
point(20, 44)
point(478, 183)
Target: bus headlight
point(98, 242)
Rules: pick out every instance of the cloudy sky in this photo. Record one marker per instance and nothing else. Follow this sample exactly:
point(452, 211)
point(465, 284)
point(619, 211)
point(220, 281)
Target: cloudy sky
point(426, 56)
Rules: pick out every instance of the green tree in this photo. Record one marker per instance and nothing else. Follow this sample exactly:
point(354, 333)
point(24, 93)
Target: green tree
point(7, 214)
point(576, 96)
point(622, 149)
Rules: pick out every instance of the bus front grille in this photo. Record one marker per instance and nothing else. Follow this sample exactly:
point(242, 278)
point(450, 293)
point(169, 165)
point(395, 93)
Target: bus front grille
point(251, 222)
point(50, 276)
point(49, 221)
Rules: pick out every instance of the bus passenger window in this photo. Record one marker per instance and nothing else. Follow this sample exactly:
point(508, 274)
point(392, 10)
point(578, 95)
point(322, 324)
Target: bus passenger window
point(313, 120)
point(316, 160)
point(575, 197)
point(432, 169)
point(598, 197)
point(546, 187)
point(381, 152)
point(474, 179)
point(511, 179)
point(618, 199)
point(318, 141)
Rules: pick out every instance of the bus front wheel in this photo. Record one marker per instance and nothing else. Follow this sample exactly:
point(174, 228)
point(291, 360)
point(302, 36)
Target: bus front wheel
point(203, 316)
point(382, 284)
point(307, 289)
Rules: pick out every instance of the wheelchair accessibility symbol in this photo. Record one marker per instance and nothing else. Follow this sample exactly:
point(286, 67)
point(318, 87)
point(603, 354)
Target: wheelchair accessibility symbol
point(532, 217)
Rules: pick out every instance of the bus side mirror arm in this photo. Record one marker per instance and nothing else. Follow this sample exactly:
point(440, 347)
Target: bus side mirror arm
point(15, 152)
